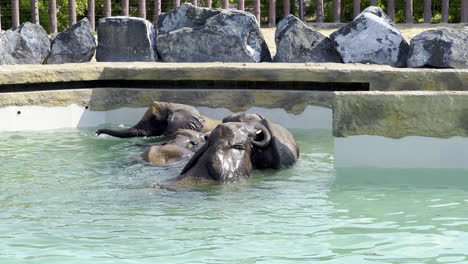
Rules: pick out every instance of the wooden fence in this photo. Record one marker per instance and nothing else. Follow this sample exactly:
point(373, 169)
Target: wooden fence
point(52, 10)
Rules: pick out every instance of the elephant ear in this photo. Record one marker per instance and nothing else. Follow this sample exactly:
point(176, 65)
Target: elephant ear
point(183, 119)
point(283, 147)
point(194, 160)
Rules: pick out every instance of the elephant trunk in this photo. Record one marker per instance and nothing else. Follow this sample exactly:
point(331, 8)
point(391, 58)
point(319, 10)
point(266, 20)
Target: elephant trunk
point(262, 138)
point(144, 128)
point(124, 133)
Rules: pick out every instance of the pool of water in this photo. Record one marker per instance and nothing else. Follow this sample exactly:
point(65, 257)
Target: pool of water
point(67, 196)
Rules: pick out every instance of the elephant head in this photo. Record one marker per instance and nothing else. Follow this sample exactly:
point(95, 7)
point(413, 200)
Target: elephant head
point(282, 150)
point(161, 119)
point(182, 145)
point(225, 157)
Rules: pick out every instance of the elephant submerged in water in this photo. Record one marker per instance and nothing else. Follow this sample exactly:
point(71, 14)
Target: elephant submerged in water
point(238, 145)
point(181, 145)
point(282, 150)
point(225, 157)
point(165, 119)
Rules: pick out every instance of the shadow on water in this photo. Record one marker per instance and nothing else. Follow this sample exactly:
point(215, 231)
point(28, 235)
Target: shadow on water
point(393, 176)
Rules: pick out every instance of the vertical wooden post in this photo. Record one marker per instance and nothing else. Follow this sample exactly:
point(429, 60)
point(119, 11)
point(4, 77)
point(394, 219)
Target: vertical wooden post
point(142, 9)
point(445, 9)
point(356, 8)
point(107, 8)
point(427, 11)
point(208, 3)
point(91, 12)
point(336, 11)
point(286, 8)
point(391, 9)
point(464, 11)
point(272, 14)
point(224, 4)
point(71, 12)
point(319, 10)
point(301, 10)
point(409, 11)
point(175, 3)
point(373, 2)
point(241, 5)
point(35, 11)
point(256, 10)
point(53, 16)
point(156, 11)
point(15, 13)
point(125, 6)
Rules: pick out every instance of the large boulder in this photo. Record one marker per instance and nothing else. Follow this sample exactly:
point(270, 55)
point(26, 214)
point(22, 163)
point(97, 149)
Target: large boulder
point(123, 38)
point(27, 44)
point(296, 42)
point(371, 38)
point(74, 45)
point(194, 34)
point(442, 48)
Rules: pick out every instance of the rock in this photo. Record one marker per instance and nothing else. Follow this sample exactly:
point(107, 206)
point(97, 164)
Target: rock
point(76, 44)
point(126, 39)
point(193, 34)
point(28, 44)
point(442, 48)
point(295, 42)
point(371, 38)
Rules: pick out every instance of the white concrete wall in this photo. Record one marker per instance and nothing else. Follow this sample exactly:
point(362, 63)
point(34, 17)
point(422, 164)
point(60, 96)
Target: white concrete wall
point(407, 152)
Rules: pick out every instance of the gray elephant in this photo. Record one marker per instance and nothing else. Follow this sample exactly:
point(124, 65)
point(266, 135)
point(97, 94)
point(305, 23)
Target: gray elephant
point(225, 157)
point(165, 119)
point(282, 150)
point(181, 145)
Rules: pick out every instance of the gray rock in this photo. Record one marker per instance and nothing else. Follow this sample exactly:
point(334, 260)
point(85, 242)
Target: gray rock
point(295, 42)
point(193, 34)
point(442, 48)
point(126, 39)
point(28, 44)
point(371, 38)
point(74, 45)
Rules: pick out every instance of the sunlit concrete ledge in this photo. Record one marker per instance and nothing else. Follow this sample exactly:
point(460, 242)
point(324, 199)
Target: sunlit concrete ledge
point(379, 78)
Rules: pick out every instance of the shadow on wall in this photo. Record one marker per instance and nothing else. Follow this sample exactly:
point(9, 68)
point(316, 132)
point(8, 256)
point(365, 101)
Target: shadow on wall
point(292, 109)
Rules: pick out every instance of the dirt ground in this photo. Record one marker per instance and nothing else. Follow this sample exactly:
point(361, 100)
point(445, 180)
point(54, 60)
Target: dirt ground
point(408, 30)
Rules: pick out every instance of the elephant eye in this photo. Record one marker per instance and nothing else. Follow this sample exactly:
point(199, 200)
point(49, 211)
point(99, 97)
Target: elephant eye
point(238, 146)
point(193, 142)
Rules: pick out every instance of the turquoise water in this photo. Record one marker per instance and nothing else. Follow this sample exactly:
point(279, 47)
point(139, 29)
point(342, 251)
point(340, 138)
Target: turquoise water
point(67, 196)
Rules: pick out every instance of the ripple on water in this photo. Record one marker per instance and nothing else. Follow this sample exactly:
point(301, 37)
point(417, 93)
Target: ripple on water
point(68, 196)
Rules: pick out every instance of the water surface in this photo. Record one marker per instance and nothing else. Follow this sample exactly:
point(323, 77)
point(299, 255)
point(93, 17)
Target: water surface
point(67, 196)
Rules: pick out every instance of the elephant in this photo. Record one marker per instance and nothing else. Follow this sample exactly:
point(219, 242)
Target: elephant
point(182, 144)
point(282, 150)
point(225, 157)
point(164, 119)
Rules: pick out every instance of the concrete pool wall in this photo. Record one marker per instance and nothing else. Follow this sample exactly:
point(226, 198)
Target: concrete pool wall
point(380, 116)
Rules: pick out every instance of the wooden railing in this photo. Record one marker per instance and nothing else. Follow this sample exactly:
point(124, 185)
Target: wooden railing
point(319, 12)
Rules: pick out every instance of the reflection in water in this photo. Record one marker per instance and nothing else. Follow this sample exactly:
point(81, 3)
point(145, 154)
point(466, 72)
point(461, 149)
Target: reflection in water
point(68, 196)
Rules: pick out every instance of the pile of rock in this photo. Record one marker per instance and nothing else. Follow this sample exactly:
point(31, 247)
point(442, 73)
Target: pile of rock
point(371, 38)
point(194, 34)
point(185, 34)
point(30, 44)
